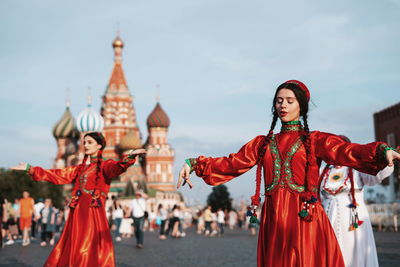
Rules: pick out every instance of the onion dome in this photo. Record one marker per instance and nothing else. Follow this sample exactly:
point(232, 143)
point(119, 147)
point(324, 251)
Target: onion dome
point(89, 120)
point(130, 141)
point(65, 127)
point(118, 42)
point(158, 118)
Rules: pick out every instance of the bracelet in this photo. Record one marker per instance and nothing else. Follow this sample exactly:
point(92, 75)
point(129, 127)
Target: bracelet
point(28, 167)
point(191, 163)
point(188, 163)
point(385, 148)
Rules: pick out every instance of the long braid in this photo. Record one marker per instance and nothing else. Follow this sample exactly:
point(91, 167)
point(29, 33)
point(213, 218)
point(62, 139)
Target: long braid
point(98, 168)
point(81, 167)
point(255, 200)
point(307, 145)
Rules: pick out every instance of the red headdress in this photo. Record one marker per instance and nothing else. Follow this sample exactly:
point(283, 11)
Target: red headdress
point(302, 86)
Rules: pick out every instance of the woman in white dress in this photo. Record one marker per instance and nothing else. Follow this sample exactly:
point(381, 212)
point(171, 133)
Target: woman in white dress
point(126, 223)
point(342, 196)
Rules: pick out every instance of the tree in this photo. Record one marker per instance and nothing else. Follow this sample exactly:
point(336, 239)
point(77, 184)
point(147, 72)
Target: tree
point(13, 183)
point(219, 198)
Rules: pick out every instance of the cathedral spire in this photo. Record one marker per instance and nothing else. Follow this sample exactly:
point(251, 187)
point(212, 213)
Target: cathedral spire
point(117, 80)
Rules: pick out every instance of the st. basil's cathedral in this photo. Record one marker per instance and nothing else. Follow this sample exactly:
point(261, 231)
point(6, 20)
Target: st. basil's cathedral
point(117, 120)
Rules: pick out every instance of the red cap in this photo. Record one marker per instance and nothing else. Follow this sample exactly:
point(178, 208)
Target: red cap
point(302, 86)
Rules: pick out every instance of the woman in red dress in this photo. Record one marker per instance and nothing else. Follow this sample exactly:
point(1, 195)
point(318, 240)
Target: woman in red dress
point(86, 238)
point(294, 229)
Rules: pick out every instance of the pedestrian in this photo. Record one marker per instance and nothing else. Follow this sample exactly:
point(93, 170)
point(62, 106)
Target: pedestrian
point(294, 228)
point(221, 220)
point(200, 222)
point(2, 220)
point(26, 212)
point(48, 216)
point(36, 225)
point(16, 208)
point(86, 238)
point(342, 196)
point(162, 216)
point(126, 223)
point(138, 206)
point(208, 219)
point(232, 219)
point(117, 215)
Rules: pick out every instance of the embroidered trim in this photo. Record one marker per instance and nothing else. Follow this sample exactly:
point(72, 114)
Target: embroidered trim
point(284, 180)
point(276, 170)
point(341, 188)
point(291, 126)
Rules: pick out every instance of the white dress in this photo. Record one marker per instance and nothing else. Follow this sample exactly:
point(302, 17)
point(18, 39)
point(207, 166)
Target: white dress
point(126, 226)
point(358, 246)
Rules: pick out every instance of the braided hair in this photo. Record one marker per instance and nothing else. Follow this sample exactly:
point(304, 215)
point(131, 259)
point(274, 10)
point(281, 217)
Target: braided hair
point(302, 98)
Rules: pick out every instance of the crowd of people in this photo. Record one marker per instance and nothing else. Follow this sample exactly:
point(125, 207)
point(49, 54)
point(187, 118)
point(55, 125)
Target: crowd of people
point(24, 220)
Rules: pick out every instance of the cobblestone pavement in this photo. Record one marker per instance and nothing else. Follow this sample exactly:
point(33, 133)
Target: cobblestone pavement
point(235, 248)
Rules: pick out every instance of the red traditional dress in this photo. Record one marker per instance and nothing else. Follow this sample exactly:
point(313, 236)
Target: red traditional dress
point(285, 239)
point(86, 238)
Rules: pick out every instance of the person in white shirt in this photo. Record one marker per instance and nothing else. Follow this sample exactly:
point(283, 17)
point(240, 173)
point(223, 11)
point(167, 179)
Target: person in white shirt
point(36, 224)
point(342, 196)
point(162, 216)
point(221, 220)
point(138, 206)
point(117, 215)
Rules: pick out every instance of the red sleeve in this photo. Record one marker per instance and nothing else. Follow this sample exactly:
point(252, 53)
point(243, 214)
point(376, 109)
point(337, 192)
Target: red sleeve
point(113, 169)
point(369, 158)
point(55, 176)
point(217, 171)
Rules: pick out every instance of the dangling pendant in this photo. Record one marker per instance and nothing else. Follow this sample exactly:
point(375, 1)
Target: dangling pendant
point(252, 213)
point(307, 208)
point(355, 221)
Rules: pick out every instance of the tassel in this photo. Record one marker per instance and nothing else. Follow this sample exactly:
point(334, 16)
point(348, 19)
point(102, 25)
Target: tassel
point(253, 217)
point(355, 221)
point(303, 213)
point(308, 205)
point(74, 199)
point(96, 202)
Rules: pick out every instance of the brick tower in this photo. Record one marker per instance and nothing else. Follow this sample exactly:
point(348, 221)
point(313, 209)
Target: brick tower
point(117, 108)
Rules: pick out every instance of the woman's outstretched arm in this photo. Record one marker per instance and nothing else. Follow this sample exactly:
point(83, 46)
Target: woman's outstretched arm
point(369, 158)
point(113, 169)
point(55, 176)
point(215, 171)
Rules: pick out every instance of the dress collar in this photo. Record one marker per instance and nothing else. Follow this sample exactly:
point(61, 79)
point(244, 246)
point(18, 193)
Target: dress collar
point(291, 126)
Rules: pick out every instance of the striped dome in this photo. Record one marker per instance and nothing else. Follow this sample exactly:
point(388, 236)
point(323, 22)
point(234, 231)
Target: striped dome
point(89, 121)
point(130, 141)
point(158, 118)
point(65, 127)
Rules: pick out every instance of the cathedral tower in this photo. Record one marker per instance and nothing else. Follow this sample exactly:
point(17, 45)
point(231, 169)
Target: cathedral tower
point(117, 108)
point(160, 156)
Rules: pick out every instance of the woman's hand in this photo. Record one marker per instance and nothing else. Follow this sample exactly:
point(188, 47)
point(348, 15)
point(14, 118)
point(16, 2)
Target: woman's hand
point(136, 152)
point(20, 167)
point(184, 176)
point(392, 155)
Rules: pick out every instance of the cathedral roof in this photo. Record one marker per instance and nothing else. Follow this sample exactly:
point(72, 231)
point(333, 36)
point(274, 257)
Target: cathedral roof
point(158, 118)
point(130, 141)
point(65, 127)
point(117, 80)
point(89, 120)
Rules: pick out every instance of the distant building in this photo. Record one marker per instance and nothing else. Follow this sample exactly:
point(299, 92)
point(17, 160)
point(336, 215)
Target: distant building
point(152, 174)
point(387, 129)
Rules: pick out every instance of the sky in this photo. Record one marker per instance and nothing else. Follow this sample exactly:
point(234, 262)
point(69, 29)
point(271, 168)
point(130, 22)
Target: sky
point(217, 64)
